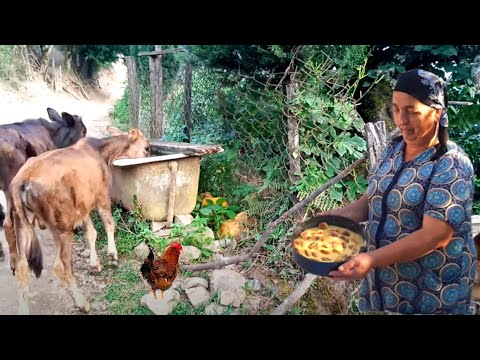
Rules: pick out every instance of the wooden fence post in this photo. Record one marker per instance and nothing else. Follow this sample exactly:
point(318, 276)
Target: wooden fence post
point(156, 88)
point(293, 146)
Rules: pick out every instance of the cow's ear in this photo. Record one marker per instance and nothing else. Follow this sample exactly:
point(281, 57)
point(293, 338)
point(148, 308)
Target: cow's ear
point(115, 131)
point(69, 119)
point(133, 135)
point(54, 115)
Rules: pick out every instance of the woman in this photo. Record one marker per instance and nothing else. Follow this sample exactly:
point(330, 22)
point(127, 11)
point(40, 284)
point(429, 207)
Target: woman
point(421, 258)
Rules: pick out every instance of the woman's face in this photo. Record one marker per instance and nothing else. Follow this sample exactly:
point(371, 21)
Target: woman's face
point(416, 121)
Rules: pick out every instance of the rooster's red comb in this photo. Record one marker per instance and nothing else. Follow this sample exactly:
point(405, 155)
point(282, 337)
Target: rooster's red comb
point(176, 245)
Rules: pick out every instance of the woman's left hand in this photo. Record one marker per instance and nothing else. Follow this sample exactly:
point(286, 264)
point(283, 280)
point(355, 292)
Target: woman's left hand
point(354, 269)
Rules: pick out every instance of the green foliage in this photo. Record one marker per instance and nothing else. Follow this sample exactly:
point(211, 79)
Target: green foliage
point(6, 60)
point(476, 206)
point(458, 61)
point(459, 65)
point(101, 55)
point(132, 228)
point(121, 112)
point(171, 64)
point(191, 235)
point(217, 173)
point(11, 71)
point(266, 60)
point(214, 213)
point(330, 135)
point(208, 123)
point(254, 167)
point(245, 59)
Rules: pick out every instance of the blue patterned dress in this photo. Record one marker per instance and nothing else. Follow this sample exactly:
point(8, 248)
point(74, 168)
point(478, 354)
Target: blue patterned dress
point(399, 194)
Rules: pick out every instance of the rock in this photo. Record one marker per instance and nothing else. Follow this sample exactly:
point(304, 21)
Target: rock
point(217, 245)
point(252, 306)
point(178, 282)
point(214, 309)
point(188, 254)
point(194, 282)
point(229, 285)
point(161, 306)
point(205, 234)
point(183, 219)
point(197, 295)
point(158, 225)
point(163, 233)
point(141, 251)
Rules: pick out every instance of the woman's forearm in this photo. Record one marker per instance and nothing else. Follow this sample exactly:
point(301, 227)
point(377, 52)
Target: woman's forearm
point(412, 247)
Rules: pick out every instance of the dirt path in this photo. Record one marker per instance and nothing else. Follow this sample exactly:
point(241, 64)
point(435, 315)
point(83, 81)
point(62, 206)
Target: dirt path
point(48, 296)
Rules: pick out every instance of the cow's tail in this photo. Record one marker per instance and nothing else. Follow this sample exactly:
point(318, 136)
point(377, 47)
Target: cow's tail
point(23, 200)
point(2, 216)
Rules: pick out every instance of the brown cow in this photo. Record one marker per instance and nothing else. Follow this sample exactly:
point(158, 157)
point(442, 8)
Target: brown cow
point(22, 140)
point(58, 190)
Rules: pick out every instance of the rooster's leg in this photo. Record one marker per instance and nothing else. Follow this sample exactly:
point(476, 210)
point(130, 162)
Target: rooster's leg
point(154, 295)
point(162, 294)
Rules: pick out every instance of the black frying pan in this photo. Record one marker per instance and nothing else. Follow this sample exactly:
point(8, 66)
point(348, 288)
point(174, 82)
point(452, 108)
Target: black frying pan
point(318, 267)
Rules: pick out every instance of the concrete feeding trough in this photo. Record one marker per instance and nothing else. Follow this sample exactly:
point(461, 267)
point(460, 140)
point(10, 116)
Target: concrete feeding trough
point(165, 184)
point(475, 224)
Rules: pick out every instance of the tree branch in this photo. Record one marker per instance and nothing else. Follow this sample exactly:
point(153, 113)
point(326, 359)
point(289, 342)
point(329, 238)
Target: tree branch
point(274, 224)
point(295, 295)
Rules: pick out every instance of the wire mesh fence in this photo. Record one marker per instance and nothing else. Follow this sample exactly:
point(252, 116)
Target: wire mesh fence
point(284, 134)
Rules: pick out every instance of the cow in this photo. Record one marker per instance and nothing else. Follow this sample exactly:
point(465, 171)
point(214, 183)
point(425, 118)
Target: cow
point(22, 140)
point(58, 190)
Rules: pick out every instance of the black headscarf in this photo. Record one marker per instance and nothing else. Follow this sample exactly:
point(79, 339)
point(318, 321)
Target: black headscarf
point(430, 90)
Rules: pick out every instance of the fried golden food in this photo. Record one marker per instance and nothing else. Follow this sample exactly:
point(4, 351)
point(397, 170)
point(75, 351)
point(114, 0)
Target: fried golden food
point(328, 243)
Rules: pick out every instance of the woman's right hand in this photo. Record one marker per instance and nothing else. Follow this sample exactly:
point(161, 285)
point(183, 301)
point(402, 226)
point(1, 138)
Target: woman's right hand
point(324, 213)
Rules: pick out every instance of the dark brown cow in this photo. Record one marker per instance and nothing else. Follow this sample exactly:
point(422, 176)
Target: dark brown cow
point(58, 190)
point(22, 140)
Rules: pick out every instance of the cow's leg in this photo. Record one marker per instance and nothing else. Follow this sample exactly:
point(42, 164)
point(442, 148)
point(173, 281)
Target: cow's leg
point(22, 276)
point(12, 243)
point(105, 212)
point(2, 219)
point(64, 270)
point(21, 269)
point(91, 237)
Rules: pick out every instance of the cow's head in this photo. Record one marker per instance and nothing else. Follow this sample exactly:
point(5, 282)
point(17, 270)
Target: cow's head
point(139, 146)
point(70, 128)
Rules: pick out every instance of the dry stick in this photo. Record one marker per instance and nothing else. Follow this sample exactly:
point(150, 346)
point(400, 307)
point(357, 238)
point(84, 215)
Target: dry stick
point(274, 224)
point(69, 92)
point(300, 289)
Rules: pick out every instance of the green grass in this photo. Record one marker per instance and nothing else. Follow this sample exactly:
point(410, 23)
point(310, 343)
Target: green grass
point(126, 287)
point(125, 290)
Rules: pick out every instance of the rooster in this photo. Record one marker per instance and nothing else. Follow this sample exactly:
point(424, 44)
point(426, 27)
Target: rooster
point(161, 272)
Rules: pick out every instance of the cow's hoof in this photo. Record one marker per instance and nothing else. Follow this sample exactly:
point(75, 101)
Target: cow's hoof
point(96, 269)
point(113, 260)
